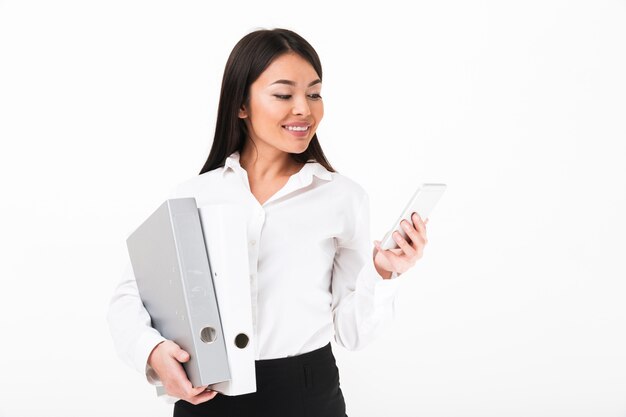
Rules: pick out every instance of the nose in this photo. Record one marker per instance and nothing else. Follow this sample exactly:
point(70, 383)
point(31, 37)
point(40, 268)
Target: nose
point(301, 106)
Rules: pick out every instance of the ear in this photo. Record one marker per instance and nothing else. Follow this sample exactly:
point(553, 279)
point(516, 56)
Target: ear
point(243, 113)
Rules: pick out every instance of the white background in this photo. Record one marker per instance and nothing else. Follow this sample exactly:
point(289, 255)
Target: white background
point(516, 309)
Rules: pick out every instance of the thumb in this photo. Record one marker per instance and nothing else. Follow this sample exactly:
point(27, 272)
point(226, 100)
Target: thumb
point(181, 355)
point(376, 248)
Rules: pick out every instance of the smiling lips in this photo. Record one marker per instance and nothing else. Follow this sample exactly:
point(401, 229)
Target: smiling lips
point(298, 129)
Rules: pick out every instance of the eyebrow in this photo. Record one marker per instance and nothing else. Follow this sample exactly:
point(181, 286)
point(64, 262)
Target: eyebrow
point(288, 82)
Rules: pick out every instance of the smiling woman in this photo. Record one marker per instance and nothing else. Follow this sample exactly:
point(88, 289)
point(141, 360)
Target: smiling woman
point(247, 76)
point(314, 274)
point(281, 115)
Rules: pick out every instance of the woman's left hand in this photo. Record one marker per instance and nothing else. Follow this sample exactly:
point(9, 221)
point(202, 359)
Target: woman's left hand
point(401, 259)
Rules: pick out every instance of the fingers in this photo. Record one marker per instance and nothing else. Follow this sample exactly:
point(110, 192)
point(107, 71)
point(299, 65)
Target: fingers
point(402, 243)
point(197, 395)
point(379, 249)
point(419, 225)
point(181, 387)
point(414, 235)
point(400, 260)
point(181, 355)
point(177, 352)
point(204, 396)
point(418, 232)
point(191, 392)
point(176, 382)
point(166, 360)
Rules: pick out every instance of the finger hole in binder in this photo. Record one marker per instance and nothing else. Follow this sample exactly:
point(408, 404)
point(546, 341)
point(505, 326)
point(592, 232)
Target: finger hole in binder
point(208, 335)
point(242, 340)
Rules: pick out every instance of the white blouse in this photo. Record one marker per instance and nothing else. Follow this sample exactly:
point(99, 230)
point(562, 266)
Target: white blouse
point(312, 275)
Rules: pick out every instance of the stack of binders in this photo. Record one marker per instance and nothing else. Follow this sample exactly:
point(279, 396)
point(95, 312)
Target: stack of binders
point(191, 268)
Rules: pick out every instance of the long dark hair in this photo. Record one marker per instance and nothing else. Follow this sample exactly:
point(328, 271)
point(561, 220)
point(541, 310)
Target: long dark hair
point(248, 59)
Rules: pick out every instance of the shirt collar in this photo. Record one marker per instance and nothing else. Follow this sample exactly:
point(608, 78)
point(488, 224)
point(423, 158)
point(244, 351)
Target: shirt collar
point(232, 163)
point(306, 174)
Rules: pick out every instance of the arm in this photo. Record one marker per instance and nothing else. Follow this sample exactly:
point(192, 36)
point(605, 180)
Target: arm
point(364, 286)
point(143, 348)
point(130, 325)
point(362, 300)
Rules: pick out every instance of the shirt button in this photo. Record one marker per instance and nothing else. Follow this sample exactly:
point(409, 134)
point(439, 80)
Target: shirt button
point(252, 242)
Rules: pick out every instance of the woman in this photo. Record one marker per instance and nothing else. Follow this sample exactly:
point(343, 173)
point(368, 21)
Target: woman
point(313, 275)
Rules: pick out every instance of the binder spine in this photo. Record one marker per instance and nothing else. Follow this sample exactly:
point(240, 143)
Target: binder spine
point(190, 271)
point(197, 284)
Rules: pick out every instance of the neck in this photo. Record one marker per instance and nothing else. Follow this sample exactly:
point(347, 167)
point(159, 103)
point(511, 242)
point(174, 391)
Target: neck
point(266, 163)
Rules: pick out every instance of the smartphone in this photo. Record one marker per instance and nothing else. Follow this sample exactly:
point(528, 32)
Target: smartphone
point(423, 201)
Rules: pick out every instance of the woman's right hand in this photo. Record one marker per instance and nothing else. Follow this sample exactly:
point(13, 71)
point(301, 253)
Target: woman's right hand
point(166, 359)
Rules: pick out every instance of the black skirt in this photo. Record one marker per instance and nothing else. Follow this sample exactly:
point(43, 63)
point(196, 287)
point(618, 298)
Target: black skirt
point(306, 385)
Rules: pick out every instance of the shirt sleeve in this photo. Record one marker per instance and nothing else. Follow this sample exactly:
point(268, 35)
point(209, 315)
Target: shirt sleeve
point(362, 301)
point(130, 326)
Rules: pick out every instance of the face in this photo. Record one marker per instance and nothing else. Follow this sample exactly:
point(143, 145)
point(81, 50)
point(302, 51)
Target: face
point(284, 106)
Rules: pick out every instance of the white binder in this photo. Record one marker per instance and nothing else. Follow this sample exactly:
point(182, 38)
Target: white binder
point(225, 235)
point(171, 266)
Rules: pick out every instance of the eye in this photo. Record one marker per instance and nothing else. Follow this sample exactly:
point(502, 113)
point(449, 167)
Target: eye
point(282, 96)
point(315, 96)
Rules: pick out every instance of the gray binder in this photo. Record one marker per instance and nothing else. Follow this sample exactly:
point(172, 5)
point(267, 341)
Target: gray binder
point(171, 266)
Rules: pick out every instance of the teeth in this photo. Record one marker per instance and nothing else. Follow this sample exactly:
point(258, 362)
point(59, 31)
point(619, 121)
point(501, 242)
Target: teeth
point(298, 128)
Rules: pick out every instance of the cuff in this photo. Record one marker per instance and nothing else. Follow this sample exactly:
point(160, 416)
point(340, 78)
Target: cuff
point(382, 290)
point(146, 343)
